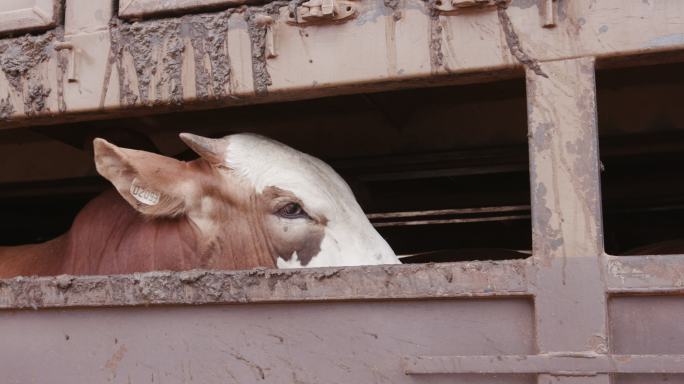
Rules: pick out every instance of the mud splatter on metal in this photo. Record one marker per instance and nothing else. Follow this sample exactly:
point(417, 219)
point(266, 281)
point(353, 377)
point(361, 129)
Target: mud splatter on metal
point(208, 34)
point(6, 108)
point(19, 59)
point(257, 35)
point(20, 55)
point(158, 48)
point(513, 41)
point(35, 98)
point(435, 35)
point(480, 279)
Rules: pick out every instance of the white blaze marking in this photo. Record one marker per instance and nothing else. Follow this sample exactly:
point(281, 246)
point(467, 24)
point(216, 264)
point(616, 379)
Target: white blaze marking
point(292, 263)
point(350, 239)
point(145, 196)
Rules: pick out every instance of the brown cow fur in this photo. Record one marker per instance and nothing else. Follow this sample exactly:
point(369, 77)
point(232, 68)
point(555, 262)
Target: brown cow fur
point(109, 236)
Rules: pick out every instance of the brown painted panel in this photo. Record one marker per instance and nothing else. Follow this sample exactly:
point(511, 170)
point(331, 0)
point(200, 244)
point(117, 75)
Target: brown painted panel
point(647, 325)
point(342, 342)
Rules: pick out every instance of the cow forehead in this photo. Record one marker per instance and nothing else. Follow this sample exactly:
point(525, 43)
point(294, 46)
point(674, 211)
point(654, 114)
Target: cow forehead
point(265, 162)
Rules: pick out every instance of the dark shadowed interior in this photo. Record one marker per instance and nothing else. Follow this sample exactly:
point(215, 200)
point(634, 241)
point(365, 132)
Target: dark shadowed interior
point(641, 127)
point(438, 170)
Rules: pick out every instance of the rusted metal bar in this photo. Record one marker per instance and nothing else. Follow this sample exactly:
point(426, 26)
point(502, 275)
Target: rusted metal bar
point(553, 364)
point(645, 274)
point(421, 281)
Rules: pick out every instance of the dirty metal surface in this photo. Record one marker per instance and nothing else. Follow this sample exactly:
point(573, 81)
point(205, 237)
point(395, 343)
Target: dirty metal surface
point(203, 58)
point(569, 314)
point(146, 8)
point(645, 274)
point(28, 15)
point(553, 364)
point(564, 174)
point(448, 280)
point(269, 343)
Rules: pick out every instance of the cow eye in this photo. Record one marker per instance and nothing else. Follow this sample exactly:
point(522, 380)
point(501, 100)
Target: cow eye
point(292, 211)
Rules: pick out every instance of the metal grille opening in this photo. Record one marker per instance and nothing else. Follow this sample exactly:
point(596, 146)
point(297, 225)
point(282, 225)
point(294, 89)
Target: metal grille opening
point(641, 126)
point(441, 172)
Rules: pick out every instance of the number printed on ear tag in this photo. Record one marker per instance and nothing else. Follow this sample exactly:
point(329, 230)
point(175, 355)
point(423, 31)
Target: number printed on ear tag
point(145, 196)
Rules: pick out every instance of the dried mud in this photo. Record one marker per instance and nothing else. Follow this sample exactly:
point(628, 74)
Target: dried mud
point(21, 61)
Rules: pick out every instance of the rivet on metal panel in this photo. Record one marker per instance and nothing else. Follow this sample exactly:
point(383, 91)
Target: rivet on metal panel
point(322, 12)
point(548, 11)
point(268, 22)
point(72, 68)
point(458, 6)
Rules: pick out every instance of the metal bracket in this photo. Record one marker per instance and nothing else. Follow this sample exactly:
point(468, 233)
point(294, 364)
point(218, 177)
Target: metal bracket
point(548, 13)
point(73, 66)
point(457, 6)
point(268, 22)
point(557, 364)
point(322, 12)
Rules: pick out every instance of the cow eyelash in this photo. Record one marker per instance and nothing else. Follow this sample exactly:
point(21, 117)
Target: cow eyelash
point(292, 211)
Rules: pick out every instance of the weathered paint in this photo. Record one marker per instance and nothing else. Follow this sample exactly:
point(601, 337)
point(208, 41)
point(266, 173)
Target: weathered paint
point(323, 343)
point(174, 64)
point(593, 314)
point(261, 285)
point(21, 59)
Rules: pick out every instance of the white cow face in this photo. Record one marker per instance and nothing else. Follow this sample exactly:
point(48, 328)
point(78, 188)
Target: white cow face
point(247, 189)
point(309, 212)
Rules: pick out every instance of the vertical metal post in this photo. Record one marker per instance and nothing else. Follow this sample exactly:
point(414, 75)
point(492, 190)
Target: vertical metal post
point(569, 289)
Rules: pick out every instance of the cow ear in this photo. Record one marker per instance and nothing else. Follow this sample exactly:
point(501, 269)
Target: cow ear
point(211, 150)
point(152, 184)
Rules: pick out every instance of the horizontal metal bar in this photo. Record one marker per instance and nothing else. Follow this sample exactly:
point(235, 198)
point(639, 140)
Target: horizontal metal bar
point(444, 212)
point(563, 364)
point(450, 221)
point(645, 274)
point(395, 282)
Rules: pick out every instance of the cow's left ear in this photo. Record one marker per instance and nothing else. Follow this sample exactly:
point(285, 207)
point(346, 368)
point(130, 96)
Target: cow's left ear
point(154, 185)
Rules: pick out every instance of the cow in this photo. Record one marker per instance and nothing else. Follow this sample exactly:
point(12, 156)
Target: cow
point(246, 202)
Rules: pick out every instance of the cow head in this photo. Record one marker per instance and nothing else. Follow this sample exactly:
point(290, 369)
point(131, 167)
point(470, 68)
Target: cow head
point(249, 194)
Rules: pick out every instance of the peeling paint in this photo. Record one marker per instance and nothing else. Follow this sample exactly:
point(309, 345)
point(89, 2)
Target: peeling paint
point(435, 36)
point(148, 43)
point(267, 285)
point(6, 108)
point(158, 49)
point(257, 36)
point(543, 220)
point(21, 55)
point(34, 100)
point(513, 42)
point(208, 35)
point(20, 59)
